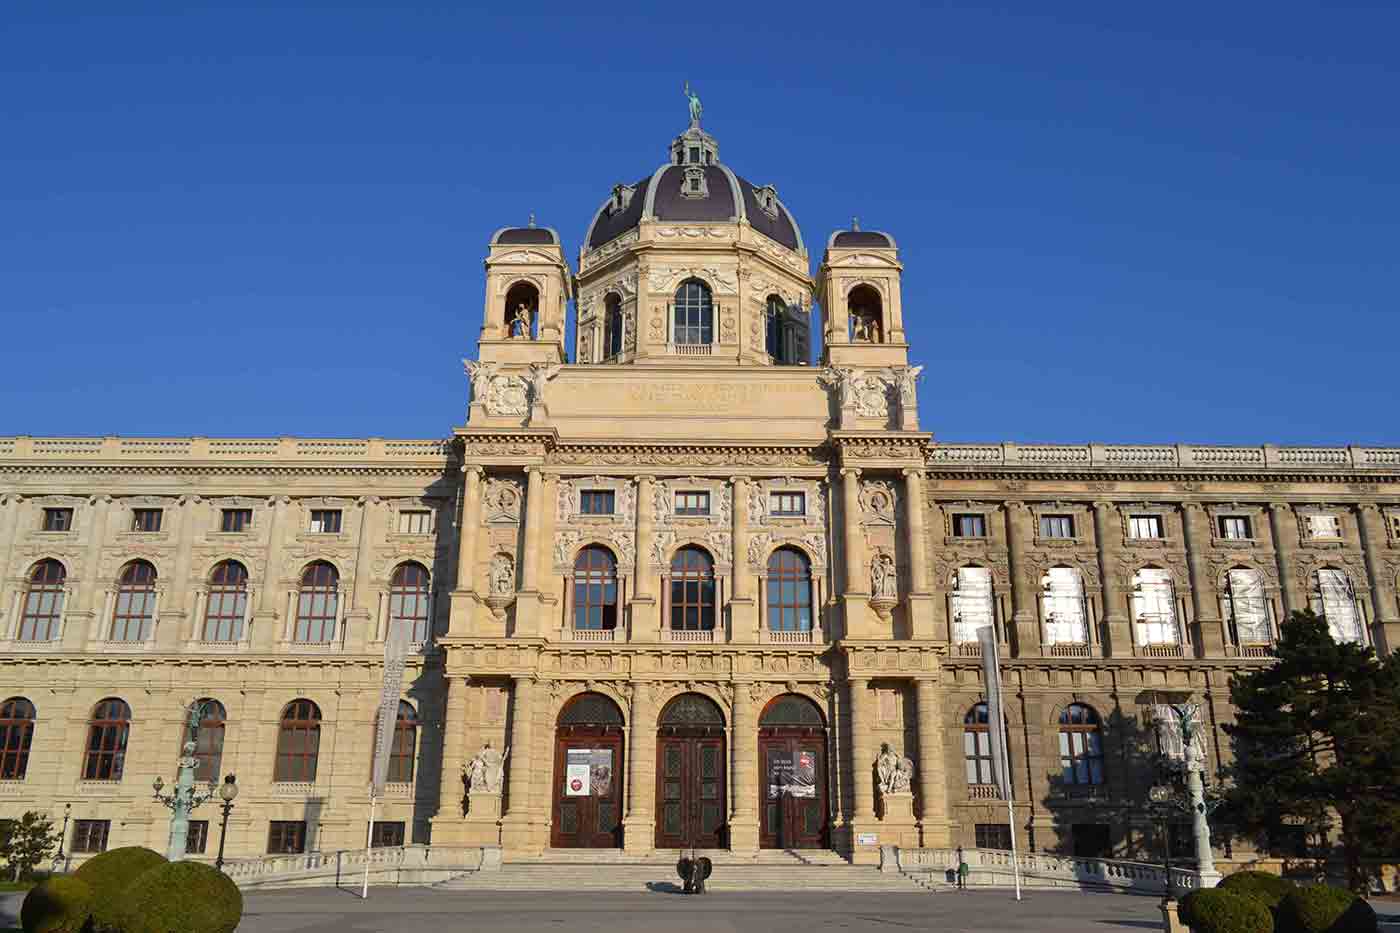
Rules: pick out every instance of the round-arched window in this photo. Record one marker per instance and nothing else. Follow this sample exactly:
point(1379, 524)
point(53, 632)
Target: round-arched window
point(409, 598)
point(227, 607)
point(16, 733)
point(788, 591)
point(1081, 745)
point(692, 590)
point(298, 743)
point(134, 612)
point(612, 327)
point(595, 589)
point(42, 616)
point(105, 757)
point(208, 740)
point(693, 314)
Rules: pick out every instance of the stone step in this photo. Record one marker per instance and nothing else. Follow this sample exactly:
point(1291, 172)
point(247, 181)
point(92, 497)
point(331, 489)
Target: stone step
point(640, 877)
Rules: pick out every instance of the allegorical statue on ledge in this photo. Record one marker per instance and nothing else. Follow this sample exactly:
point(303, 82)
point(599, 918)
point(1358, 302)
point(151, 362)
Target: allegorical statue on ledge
point(896, 772)
point(486, 772)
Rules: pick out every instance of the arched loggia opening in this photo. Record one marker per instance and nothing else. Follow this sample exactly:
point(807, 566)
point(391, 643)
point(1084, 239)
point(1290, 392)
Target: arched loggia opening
point(690, 769)
point(792, 754)
point(522, 311)
point(588, 770)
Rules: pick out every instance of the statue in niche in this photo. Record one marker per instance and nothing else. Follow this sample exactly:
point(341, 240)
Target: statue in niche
point(502, 575)
point(486, 772)
point(883, 583)
point(865, 325)
point(896, 772)
point(520, 321)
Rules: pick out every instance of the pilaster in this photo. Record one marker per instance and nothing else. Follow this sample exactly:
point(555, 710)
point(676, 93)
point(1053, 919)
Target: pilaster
point(267, 627)
point(464, 597)
point(1025, 614)
point(1118, 629)
point(856, 597)
point(527, 599)
point(920, 600)
point(644, 612)
point(90, 588)
point(1205, 600)
point(743, 834)
point(448, 822)
point(516, 825)
point(862, 767)
point(1283, 526)
point(1386, 634)
point(639, 825)
point(743, 607)
point(933, 783)
point(360, 618)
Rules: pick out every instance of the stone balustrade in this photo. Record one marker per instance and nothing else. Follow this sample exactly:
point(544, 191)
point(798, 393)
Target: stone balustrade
point(412, 864)
point(993, 868)
point(1164, 456)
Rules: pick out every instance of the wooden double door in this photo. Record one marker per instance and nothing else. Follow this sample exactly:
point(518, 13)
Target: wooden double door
point(588, 770)
point(792, 787)
point(690, 789)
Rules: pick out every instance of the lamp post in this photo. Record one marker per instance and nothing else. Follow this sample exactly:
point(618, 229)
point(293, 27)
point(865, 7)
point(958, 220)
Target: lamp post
point(1161, 797)
point(227, 791)
point(183, 798)
point(62, 836)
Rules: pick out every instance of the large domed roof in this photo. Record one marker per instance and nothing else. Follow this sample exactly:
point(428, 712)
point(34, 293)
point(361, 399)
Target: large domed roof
point(695, 187)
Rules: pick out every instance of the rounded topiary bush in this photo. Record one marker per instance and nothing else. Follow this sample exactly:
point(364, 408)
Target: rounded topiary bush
point(109, 875)
point(1267, 889)
point(59, 905)
point(181, 897)
point(1214, 910)
point(1321, 908)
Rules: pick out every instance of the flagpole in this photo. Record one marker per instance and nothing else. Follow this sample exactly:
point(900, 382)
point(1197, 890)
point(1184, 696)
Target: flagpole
point(996, 726)
point(369, 839)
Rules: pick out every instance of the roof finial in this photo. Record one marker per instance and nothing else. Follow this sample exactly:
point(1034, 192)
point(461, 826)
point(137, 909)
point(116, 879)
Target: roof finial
point(695, 108)
point(855, 224)
point(532, 220)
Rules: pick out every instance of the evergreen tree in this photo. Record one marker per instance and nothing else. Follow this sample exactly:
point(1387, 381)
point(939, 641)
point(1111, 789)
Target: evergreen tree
point(1317, 735)
point(26, 842)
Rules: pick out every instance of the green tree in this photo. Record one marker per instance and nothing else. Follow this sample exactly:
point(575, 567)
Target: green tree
point(26, 842)
point(1317, 734)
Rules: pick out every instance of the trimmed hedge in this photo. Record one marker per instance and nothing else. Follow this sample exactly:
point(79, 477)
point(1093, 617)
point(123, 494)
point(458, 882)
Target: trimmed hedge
point(1321, 908)
point(109, 875)
point(59, 905)
point(1267, 889)
point(1214, 910)
point(181, 897)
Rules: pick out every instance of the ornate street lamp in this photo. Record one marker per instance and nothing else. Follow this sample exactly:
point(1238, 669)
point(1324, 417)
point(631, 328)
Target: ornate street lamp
point(62, 836)
point(1162, 797)
point(184, 798)
point(1187, 716)
point(227, 791)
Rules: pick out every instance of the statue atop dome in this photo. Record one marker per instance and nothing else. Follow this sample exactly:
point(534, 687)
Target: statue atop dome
point(695, 108)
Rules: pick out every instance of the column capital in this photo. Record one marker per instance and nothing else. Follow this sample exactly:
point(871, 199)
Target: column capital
point(524, 680)
point(1193, 507)
point(1368, 508)
point(1104, 505)
point(912, 472)
point(1016, 505)
point(641, 478)
point(1281, 507)
point(736, 480)
point(850, 471)
point(858, 683)
point(472, 469)
point(103, 499)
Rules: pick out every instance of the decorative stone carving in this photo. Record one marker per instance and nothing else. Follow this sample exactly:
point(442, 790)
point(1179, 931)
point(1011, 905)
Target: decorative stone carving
point(896, 772)
point(486, 772)
point(665, 278)
point(502, 575)
point(564, 544)
point(884, 582)
point(660, 547)
point(756, 506)
point(878, 501)
point(721, 542)
point(758, 549)
point(908, 393)
point(872, 397)
point(503, 500)
point(501, 395)
point(626, 545)
point(540, 374)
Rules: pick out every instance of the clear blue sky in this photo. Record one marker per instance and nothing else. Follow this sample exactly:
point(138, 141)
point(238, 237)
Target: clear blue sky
point(1119, 222)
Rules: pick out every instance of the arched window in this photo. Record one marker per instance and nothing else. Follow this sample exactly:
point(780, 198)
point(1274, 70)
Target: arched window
point(971, 603)
point(405, 745)
point(1248, 606)
point(228, 603)
point(612, 326)
point(977, 746)
point(134, 613)
point(16, 733)
point(866, 315)
point(298, 743)
point(208, 740)
point(409, 592)
point(106, 745)
point(1062, 607)
point(692, 590)
point(1334, 598)
point(1154, 607)
point(595, 589)
point(694, 314)
point(42, 617)
point(1081, 745)
point(522, 311)
point(789, 591)
point(318, 604)
point(775, 329)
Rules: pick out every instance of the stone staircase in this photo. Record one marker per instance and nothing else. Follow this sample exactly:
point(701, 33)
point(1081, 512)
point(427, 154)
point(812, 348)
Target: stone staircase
point(597, 870)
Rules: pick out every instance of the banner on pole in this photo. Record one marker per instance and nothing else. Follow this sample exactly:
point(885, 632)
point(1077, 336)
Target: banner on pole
point(996, 719)
point(395, 655)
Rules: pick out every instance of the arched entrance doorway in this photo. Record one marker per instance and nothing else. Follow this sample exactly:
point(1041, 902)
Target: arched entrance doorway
point(690, 766)
point(588, 771)
point(792, 751)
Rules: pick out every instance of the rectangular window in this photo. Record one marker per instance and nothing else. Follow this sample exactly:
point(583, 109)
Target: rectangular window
point(787, 503)
point(286, 837)
point(415, 522)
point(597, 502)
point(993, 836)
point(197, 838)
point(58, 519)
point(90, 836)
point(1325, 527)
point(387, 835)
point(1057, 526)
point(692, 503)
point(969, 526)
point(694, 154)
point(1235, 527)
point(236, 520)
point(145, 519)
point(1395, 527)
point(325, 521)
point(1145, 526)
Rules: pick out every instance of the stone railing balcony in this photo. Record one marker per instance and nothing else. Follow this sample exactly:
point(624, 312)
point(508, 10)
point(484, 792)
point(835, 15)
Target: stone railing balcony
point(11, 787)
point(124, 645)
point(983, 792)
point(1166, 456)
point(605, 635)
point(1160, 651)
point(296, 789)
point(704, 636)
point(771, 637)
point(1067, 650)
point(993, 867)
point(358, 451)
point(1257, 651)
point(968, 649)
point(692, 349)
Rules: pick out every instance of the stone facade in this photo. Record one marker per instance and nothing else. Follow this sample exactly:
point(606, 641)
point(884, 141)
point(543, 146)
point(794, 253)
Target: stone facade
point(664, 439)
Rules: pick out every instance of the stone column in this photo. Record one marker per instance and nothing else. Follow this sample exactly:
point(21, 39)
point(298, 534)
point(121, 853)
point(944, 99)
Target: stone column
point(267, 627)
point(1205, 600)
point(360, 620)
point(1024, 594)
point(1284, 528)
point(862, 765)
point(933, 783)
point(464, 600)
point(183, 616)
point(639, 825)
point(515, 830)
point(856, 597)
point(527, 600)
point(10, 507)
point(743, 836)
point(644, 615)
point(447, 821)
point(1118, 627)
point(1386, 630)
point(90, 587)
point(920, 600)
point(743, 611)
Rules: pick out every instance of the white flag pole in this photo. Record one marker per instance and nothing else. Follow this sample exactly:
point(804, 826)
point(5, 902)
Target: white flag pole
point(396, 642)
point(369, 839)
point(996, 727)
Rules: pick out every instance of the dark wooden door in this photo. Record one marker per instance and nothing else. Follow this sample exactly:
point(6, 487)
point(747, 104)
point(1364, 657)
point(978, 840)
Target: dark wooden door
point(690, 801)
point(792, 765)
point(588, 816)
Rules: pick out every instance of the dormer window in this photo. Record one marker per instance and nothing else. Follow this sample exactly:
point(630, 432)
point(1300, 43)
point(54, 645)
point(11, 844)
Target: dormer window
point(621, 197)
point(695, 185)
point(767, 198)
